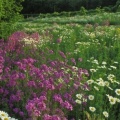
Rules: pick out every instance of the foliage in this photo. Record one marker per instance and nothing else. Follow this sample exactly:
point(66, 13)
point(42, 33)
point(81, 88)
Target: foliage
point(83, 11)
point(9, 8)
point(9, 14)
point(50, 6)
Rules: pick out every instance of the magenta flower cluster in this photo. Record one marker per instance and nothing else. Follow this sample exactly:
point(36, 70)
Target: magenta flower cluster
point(32, 91)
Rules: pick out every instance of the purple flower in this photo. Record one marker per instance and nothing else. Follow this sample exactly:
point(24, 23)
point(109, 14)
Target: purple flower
point(42, 98)
point(59, 40)
point(80, 59)
point(6, 92)
point(58, 98)
point(36, 113)
point(31, 83)
point(21, 76)
point(51, 51)
point(57, 74)
point(47, 117)
point(1, 70)
point(62, 54)
point(41, 106)
point(16, 110)
point(73, 61)
point(52, 63)
point(7, 69)
point(21, 66)
point(67, 96)
point(13, 98)
point(30, 107)
point(55, 117)
point(14, 41)
point(45, 67)
point(67, 105)
point(12, 83)
point(1, 59)
point(1, 90)
point(21, 113)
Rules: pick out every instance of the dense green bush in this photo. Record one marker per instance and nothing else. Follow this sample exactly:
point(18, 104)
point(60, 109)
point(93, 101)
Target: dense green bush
point(9, 14)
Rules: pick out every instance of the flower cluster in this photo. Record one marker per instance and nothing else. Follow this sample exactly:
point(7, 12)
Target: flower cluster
point(5, 116)
point(41, 90)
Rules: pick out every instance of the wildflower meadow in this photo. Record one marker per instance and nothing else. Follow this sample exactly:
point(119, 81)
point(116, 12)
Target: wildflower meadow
point(61, 69)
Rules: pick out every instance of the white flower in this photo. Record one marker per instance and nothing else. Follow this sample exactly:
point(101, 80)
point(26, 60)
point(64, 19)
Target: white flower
point(74, 67)
point(117, 100)
point(117, 82)
point(92, 109)
point(104, 63)
point(4, 114)
point(116, 62)
point(105, 114)
point(84, 100)
point(107, 83)
point(91, 97)
point(79, 96)
point(112, 100)
point(111, 77)
point(117, 91)
point(12, 118)
point(101, 83)
point(78, 101)
point(114, 67)
point(110, 88)
point(103, 66)
point(90, 81)
point(5, 118)
point(100, 79)
point(95, 61)
point(96, 88)
point(93, 70)
point(92, 35)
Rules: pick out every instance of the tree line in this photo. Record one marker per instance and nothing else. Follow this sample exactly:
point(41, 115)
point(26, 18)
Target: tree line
point(50, 6)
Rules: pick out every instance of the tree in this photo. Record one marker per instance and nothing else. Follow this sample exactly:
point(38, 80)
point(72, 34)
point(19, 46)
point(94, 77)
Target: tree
point(9, 14)
point(9, 9)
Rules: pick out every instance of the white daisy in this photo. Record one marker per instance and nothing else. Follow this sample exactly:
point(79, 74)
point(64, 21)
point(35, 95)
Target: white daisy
point(117, 91)
point(79, 96)
point(112, 100)
point(92, 109)
point(91, 97)
point(78, 101)
point(105, 114)
point(4, 114)
point(90, 81)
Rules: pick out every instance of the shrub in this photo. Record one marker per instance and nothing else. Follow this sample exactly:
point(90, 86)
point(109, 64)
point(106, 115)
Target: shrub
point(9, 8)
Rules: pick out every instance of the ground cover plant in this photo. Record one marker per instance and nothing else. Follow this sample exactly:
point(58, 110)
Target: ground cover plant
point(61, 71)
